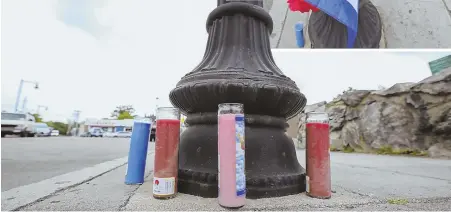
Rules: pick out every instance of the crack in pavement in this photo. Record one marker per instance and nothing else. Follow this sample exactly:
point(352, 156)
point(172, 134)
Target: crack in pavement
point(447, 7)
point(353, 192)
point(123, 206)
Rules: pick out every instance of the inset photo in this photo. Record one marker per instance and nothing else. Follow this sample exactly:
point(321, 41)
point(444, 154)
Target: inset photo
point(360, 23)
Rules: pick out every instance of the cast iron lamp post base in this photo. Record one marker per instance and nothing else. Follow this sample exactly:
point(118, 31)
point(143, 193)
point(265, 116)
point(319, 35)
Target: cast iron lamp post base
point(238, 67)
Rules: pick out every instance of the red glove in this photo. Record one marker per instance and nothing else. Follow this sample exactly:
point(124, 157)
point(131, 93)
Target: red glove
point(301, 6)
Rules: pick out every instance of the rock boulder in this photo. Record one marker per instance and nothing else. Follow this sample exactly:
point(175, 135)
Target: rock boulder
point(412, 118)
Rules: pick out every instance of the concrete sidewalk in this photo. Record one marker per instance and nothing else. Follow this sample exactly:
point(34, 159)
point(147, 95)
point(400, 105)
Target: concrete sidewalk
point(107, 192)
point(342, 199)
point(359, 182)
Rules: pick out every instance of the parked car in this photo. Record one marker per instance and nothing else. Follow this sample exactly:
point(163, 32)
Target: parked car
point(55, 133)
point(18, 124)
point(109, 134)
point(42, 129)
point(85, 134)
point(96, 132)
point(124, 134)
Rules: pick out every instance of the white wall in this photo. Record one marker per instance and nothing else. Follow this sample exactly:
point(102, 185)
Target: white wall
point(109, 122)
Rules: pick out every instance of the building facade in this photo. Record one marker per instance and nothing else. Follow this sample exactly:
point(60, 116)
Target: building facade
point(108, 125)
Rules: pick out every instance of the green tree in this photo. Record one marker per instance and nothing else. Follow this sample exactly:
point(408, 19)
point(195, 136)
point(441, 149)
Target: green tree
point(123, 112)
point(37, 117)
point(60, 126)
point(125, 115)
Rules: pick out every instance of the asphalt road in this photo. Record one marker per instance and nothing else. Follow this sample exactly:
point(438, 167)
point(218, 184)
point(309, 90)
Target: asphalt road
point(30, 160)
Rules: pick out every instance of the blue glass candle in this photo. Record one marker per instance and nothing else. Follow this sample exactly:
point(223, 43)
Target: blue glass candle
point(137, 154)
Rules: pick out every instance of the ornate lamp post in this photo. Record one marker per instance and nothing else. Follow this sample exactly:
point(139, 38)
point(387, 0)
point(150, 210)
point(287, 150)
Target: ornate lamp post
point(238, 67)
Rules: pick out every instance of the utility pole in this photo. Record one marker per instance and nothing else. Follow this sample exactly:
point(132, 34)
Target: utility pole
point(76, 117)
point(19, 91)
point(24, 105)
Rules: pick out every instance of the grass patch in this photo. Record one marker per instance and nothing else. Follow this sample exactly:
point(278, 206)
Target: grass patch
point(363, 143)
point(335, 103)
point(388, 150)
point(385, 150)
point(333, 149)
point(398, 201)
point(348, 149)
point(419, 153)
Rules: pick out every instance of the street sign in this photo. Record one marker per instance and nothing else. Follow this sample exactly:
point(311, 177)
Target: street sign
point(440, 64)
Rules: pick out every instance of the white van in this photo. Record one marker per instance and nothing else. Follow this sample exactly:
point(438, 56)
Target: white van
point(21, 124)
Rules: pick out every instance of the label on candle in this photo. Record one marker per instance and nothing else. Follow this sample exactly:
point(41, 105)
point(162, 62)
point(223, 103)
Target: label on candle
point(219, 169)
point(240, 169)
point(164, 186)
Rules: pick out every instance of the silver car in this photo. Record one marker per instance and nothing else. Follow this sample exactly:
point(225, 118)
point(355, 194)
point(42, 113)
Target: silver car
point(42, 129)
point(123, 134)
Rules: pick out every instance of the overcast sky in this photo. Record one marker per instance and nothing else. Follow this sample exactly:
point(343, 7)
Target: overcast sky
point(92, 55)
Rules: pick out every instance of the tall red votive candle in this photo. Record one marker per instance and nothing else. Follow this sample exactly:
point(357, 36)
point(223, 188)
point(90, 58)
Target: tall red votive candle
point(166, 153)
point(318, 180)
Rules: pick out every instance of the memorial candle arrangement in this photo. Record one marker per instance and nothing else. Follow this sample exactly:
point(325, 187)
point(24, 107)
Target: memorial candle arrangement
point(166, 153)
point(318, 180)
point(231, 156)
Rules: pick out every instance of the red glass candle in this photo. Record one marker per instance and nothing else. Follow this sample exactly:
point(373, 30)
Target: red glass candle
point(166, 153)
point(318, 180)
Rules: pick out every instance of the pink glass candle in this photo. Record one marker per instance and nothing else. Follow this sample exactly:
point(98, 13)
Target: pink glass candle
point(231, 170)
